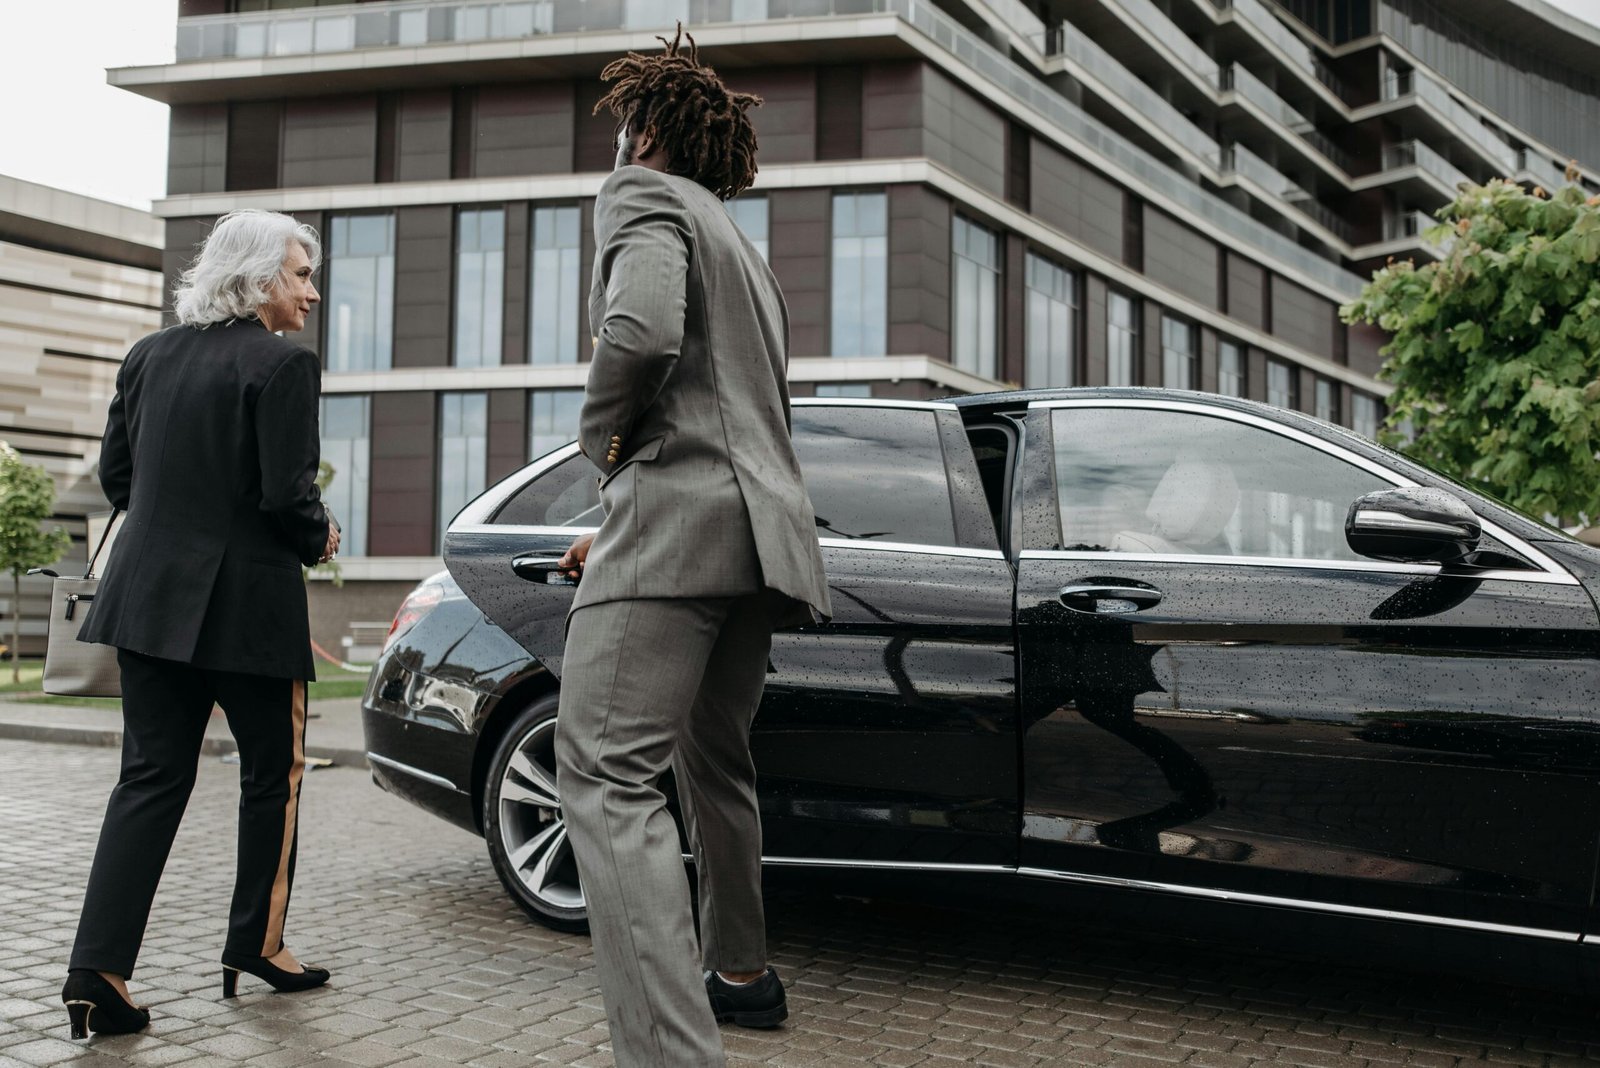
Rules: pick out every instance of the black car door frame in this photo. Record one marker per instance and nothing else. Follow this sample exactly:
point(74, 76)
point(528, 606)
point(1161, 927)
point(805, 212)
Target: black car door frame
point(1177, 835)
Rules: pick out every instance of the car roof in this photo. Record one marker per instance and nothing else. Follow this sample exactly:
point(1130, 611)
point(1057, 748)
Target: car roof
point(1014, 399)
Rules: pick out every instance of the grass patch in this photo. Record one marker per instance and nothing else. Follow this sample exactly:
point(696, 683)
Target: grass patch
point(332, 683)
point(78, 702)
point(32, 672)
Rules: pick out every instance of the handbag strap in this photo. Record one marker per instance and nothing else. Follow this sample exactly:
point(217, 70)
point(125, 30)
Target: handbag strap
point(103, 536)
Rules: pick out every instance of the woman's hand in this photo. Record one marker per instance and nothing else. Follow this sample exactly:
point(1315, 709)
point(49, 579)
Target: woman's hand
point(573, 559)
point(332, 548)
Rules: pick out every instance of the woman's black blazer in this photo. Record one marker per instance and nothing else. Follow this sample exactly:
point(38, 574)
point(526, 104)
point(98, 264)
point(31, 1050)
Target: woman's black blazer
point(211, 447)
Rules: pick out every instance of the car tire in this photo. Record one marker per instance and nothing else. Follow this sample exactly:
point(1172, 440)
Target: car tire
point(523, 824)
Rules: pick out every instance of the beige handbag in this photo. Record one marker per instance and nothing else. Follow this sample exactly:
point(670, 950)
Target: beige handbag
point(73, 668)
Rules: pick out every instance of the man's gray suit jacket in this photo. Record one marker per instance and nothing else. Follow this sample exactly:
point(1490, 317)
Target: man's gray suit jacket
point(686, 413)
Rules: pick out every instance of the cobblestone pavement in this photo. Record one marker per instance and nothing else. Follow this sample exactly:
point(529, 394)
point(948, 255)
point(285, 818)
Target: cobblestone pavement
point(433, 966)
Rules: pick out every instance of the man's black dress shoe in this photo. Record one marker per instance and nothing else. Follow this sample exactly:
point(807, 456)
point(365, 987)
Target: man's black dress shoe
point(759, 1003)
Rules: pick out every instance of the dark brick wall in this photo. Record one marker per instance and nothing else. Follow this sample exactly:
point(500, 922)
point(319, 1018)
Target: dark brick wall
point(423, 268)
point(891, 110)
point(183, 241)
point(1362, 345)
point(800, 240)
point(786, 122)
point(1013, 310)
point(422, 140)
point(255, 137)
point(523, 129)
point(1077, 201)
point(330, 141)
point(919, 272)
point(963, 133)
point(519, 222)
point(1247, 296)
point(1304, 319)
point(508, 432)
point(197, 148)
point(839, 112)
point(1180, 258)
point(404, 436)
point(1094, 331)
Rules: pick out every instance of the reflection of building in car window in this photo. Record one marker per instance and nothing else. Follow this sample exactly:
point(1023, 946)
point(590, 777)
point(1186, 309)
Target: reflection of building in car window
point(1149, 481)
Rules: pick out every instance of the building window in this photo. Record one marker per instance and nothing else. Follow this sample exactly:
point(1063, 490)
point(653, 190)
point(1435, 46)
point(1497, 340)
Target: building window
point(359, 304)
point(553, 302)
point(552, 419)
point(1177, 353)
point(751, 215)
point(1231, 380)
point(977, 298)
point(1327, 406)
point(1122, 340)
point(844, 389)
point(463, 452)
point(860, 274)
point(1052, 325)
point(1280, 384)
point(480, 286)
point(1365, 415)
point(346, 423)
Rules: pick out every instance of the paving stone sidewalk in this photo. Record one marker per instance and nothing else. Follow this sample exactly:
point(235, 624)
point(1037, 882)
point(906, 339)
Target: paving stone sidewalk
point(433, 966)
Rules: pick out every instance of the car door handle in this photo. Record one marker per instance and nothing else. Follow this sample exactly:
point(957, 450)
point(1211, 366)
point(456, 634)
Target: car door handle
point(545, 569)
point(1109, 599)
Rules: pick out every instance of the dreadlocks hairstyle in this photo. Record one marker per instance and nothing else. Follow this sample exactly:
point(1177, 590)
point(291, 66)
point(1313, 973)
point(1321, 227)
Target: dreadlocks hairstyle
point(698, 121)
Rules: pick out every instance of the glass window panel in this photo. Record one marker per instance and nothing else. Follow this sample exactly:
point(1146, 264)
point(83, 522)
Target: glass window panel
point(463, 452)
point(1146, 481)
point(1327, 400)
point(976, 335)
point(1281, 384)
point(359, 302)
point(1122, 340)
point(1230, 370)
point(334, 33)
point(1177, 353)
point(346, 424)
point(291, 37)
point(553, 304)
point(552, 419)
point(480, 287)
point(1365, 415)
point(860, 317)
point(751, 215)
point(875, 474)
point(567, 495)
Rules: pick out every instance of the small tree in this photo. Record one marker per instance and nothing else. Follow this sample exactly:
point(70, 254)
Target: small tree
point(325, 473)
point(27, 497)
point(1495, 356)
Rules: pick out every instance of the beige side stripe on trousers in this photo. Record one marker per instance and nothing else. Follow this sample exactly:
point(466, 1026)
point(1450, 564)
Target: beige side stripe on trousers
point(291, 814)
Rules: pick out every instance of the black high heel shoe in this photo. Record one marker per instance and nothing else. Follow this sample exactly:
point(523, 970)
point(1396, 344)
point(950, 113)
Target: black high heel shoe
point(94, 1004)
point(262, 968)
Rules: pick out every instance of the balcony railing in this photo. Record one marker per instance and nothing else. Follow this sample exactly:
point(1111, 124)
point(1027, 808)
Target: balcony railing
point(1254, 14)
point(1069, 41)
point(213, 36)
point(1320, 213)
point(1165, 32)
point(1407, 224)
point(1239, 160)
point(1538, 166)
point(1416, 154)
point(1256, 91)
point(1431, 92)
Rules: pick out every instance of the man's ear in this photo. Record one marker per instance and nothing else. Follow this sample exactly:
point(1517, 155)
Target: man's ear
point(644, 143)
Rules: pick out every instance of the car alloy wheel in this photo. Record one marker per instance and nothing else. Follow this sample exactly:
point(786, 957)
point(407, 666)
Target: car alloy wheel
point(527, 832)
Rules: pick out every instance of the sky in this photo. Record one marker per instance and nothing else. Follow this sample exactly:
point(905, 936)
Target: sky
point(63, 126)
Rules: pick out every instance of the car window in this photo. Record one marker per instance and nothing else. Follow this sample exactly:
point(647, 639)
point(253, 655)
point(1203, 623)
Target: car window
point(1148, 481)
point(875, 474)
point(567, 495)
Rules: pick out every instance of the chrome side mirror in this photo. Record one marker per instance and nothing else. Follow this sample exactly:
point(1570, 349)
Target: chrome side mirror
point(1412, 525)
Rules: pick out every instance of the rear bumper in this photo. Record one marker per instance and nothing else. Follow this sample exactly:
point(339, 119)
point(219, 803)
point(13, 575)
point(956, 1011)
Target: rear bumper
point(416, 744)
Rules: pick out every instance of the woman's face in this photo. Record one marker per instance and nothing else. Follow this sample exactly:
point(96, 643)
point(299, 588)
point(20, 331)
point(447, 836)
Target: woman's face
point(290, 302)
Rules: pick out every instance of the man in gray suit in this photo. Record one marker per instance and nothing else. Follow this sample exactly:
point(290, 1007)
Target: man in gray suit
point(709, 542)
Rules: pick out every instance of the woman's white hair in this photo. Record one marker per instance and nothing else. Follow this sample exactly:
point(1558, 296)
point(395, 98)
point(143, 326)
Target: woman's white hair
point(240, 265)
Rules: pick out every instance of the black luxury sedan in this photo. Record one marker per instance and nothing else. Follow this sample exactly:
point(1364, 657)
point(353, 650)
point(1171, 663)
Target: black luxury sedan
point(1150, 642)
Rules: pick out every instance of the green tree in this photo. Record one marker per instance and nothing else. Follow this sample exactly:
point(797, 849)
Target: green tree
point(1495, 357)
point(27, 497)
point(325, 473)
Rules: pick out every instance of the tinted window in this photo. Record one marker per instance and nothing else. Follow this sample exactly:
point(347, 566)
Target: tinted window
point(1142, 481)
point(875, 474)
point(567, 495)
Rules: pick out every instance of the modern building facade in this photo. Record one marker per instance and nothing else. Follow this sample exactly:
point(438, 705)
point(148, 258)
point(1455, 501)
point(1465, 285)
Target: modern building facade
point(954, 194)
point(80, 281)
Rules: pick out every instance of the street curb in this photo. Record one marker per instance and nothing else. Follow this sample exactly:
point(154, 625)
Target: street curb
point(96, 736)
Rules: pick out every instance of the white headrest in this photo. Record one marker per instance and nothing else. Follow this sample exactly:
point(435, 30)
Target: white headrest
point(1193, 501)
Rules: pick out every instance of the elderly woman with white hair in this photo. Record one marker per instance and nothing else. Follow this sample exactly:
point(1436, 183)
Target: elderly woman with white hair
point(211, 449)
